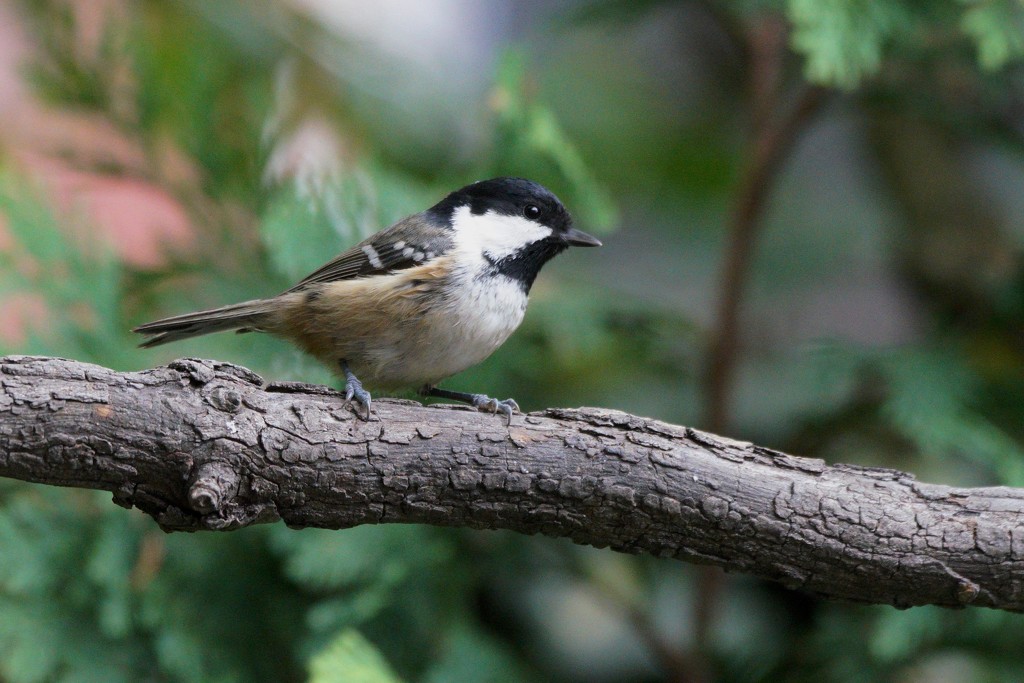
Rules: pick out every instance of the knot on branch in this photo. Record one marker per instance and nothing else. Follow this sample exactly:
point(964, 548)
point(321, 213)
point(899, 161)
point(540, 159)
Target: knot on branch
point(212, 487)
point(224, 399)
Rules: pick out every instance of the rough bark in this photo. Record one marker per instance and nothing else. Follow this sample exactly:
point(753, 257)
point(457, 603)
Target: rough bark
point(206, 445)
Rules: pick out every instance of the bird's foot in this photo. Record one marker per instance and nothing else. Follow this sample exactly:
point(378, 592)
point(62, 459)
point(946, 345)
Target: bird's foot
point(486, 404)
point(482, 402)
point(354, 391)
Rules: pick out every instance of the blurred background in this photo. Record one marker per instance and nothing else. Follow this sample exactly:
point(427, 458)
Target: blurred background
point(813, 219)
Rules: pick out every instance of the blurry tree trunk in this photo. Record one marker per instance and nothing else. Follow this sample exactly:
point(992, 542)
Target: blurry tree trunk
point(201, 445)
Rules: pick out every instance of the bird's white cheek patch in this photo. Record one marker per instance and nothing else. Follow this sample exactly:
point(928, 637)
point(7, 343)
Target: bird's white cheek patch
point(495, 234)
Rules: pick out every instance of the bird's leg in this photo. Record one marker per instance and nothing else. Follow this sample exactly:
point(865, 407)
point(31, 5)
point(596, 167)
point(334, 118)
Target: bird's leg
point(483, 403)
point(354, 389)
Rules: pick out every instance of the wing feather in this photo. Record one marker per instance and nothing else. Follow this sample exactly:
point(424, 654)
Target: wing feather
point(413, 241)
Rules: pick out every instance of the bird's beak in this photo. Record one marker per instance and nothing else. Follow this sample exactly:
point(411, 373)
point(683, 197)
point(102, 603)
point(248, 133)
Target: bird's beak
point(578, 238)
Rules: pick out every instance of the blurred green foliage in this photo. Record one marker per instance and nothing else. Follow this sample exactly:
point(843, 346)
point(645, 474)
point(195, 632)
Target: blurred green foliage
point(350, 658)
point(91, 592)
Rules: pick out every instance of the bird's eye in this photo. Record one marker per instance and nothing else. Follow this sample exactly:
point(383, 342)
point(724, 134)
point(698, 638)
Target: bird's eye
point(531, 211)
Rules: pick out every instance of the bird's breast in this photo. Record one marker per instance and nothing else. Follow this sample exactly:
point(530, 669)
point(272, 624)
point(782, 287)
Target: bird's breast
point(477, 315)
point(490, 307)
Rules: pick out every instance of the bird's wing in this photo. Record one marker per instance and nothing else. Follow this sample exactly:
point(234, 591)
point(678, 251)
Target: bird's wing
point(410, 242)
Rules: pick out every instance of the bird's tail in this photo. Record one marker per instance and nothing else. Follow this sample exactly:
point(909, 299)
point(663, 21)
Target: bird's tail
point(246, 316)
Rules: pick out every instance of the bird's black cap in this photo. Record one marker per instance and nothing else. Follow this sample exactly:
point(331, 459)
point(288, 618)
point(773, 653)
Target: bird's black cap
point(509, 196)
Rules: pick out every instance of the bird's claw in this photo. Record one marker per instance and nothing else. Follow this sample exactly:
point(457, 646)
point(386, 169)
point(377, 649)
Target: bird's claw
point(486, 404)
point(354, 390)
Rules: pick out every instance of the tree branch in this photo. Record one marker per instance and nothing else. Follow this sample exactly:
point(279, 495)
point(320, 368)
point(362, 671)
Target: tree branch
point(206, 445)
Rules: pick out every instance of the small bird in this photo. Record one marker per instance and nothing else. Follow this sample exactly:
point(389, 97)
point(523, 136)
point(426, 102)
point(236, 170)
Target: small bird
point(424, 299)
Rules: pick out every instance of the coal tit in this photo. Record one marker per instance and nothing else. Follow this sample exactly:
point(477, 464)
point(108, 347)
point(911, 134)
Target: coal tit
point(430, 296)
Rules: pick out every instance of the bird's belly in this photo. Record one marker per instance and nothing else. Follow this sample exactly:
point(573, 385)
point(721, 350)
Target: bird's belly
point(405, 330)
point(462, 332)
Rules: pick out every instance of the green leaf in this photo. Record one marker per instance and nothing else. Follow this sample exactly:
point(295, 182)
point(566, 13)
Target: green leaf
point(843, 40)
point(350, 658)
point(997, 27)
